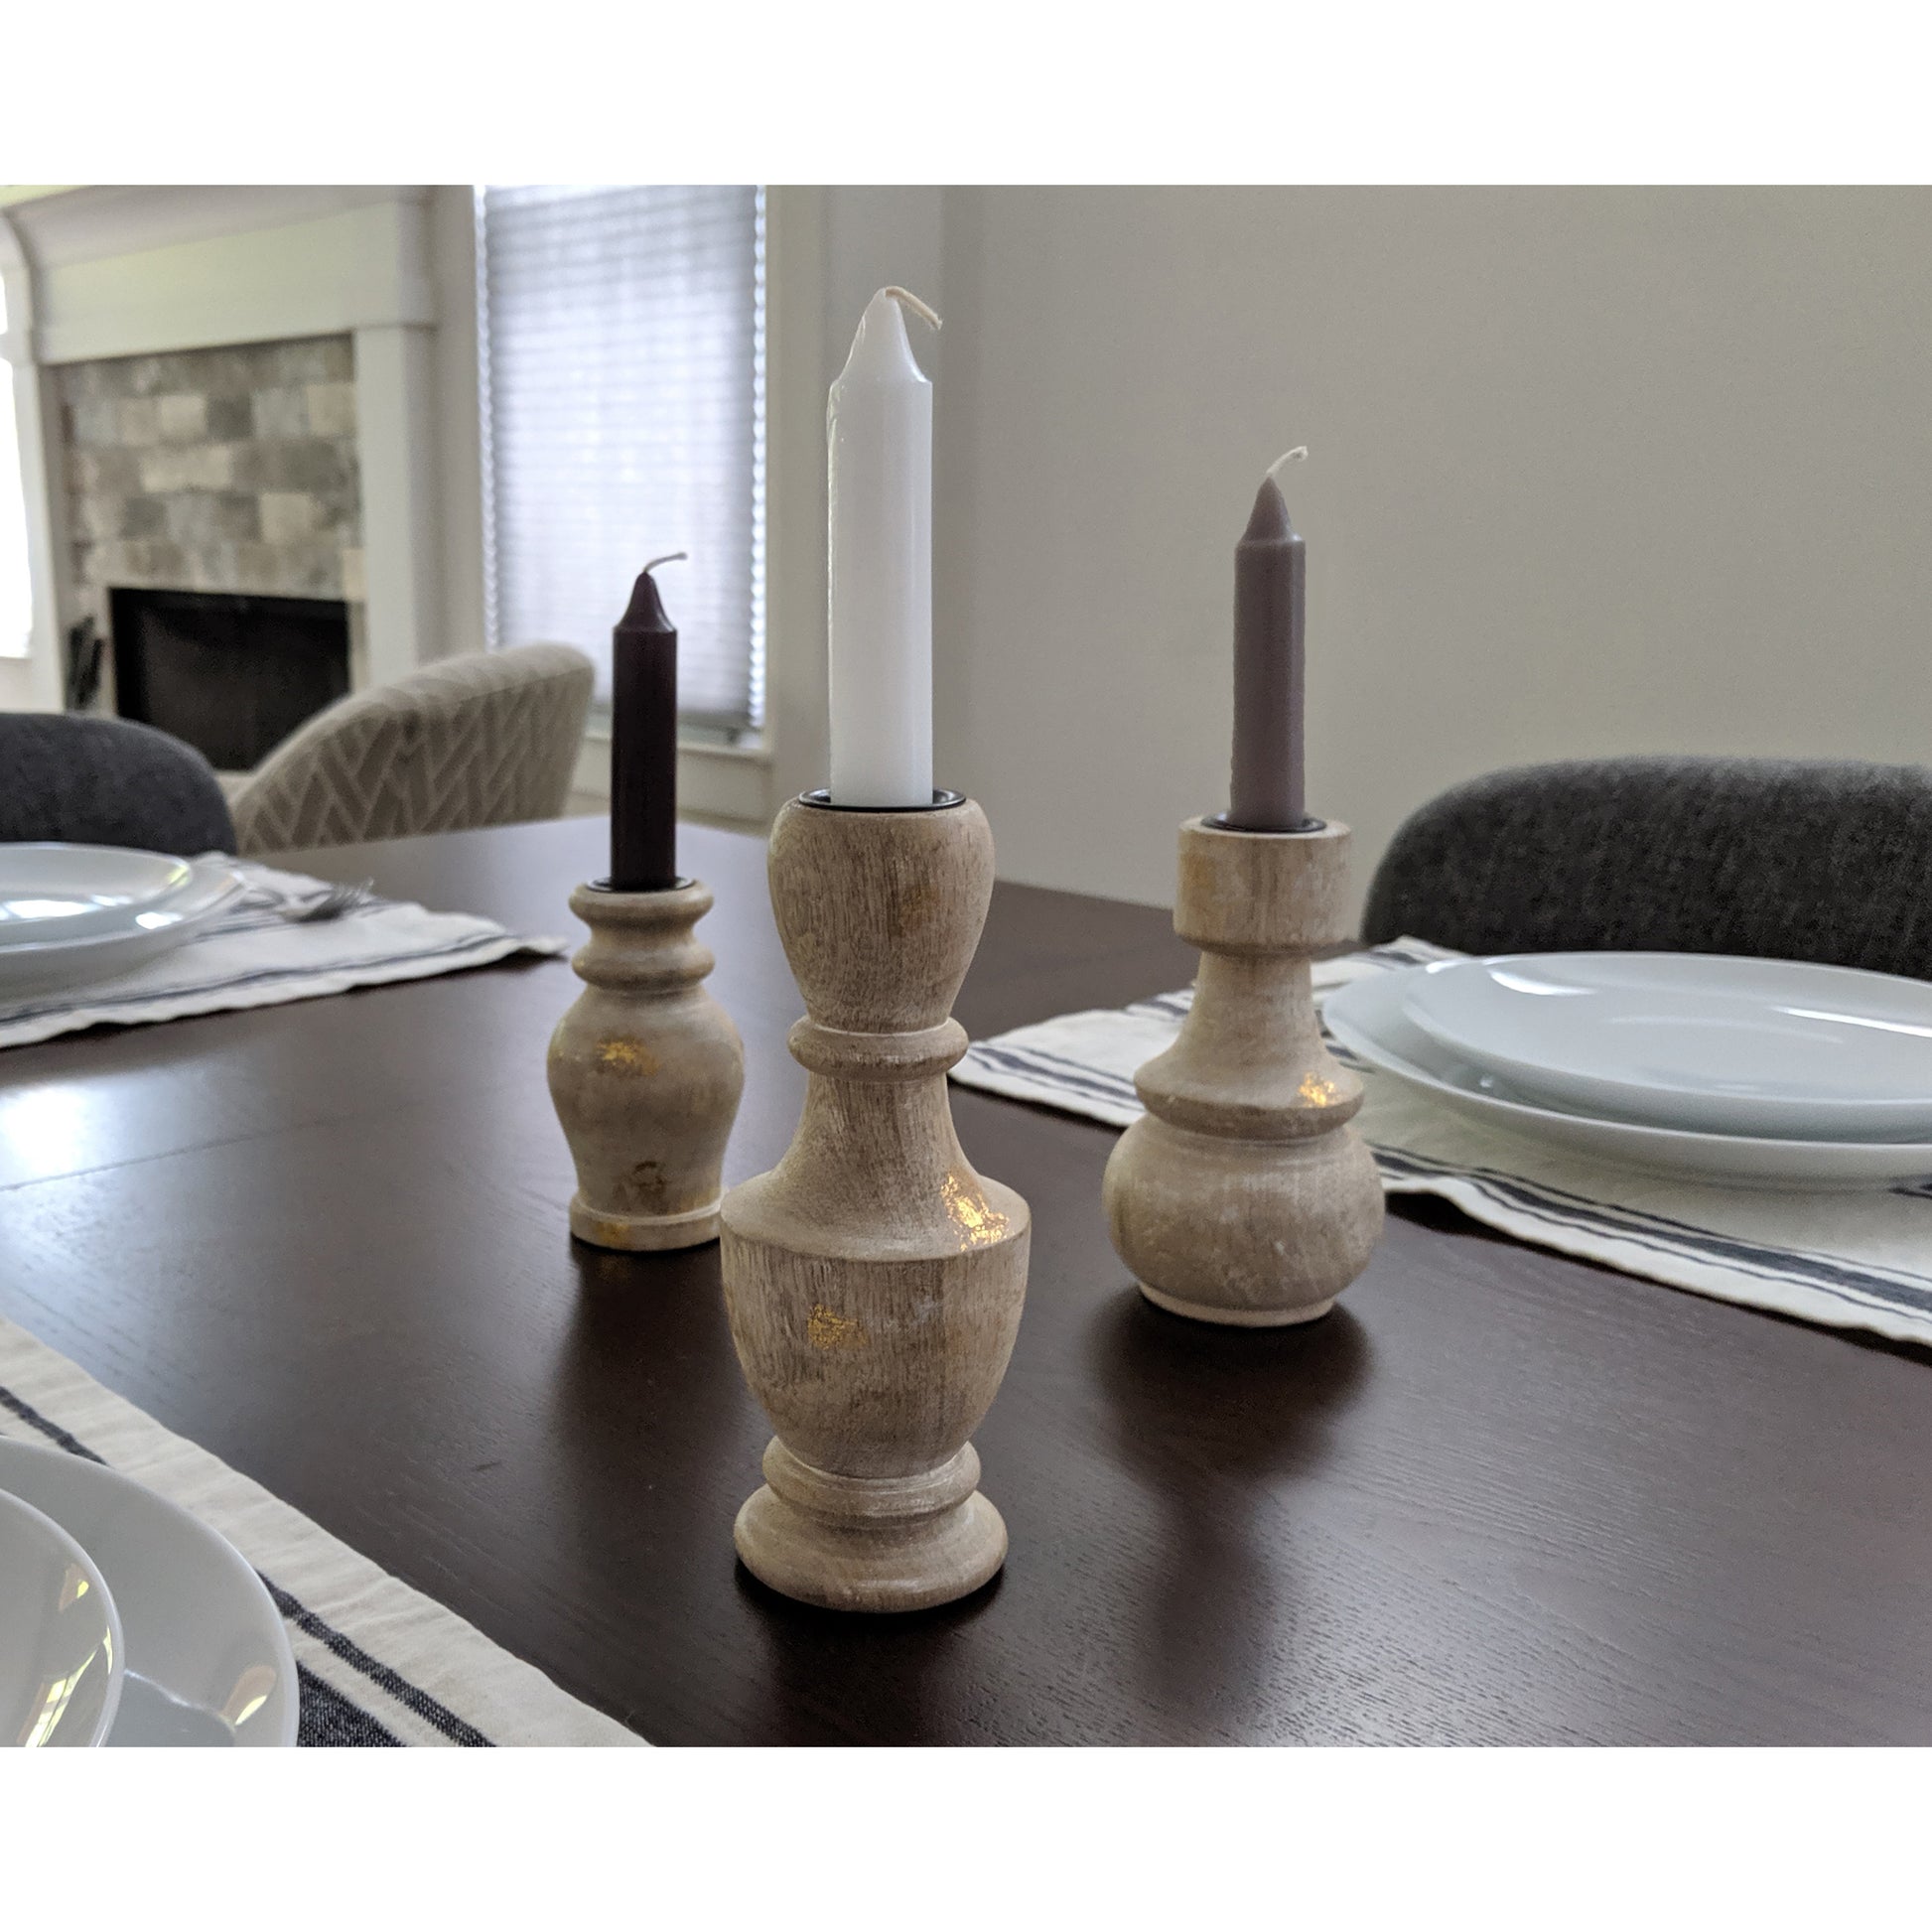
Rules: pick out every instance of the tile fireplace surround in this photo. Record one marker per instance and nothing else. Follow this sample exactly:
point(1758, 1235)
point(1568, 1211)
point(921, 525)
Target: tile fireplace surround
point(215, 469)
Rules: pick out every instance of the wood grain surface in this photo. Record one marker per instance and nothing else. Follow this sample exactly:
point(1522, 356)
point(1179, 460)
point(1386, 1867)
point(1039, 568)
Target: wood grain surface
point(1495, 1497)
point(873, 1282)
point(645, 1069)
point(1242, 1194)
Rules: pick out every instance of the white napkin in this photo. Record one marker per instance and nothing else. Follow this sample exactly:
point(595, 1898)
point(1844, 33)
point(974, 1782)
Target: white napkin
point(380, 1663)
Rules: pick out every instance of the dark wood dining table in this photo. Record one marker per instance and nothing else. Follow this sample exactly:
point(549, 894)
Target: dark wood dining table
point(1496, 1497)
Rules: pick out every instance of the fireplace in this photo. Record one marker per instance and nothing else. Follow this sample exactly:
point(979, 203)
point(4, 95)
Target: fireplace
point(232, 676)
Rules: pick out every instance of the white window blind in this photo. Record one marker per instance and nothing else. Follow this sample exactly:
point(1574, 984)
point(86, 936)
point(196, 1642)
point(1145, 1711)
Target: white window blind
point(623, 374)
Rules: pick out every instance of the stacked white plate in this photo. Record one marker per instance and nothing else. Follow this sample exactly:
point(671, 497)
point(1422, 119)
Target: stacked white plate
point(62, 1659)
point(124, 1621)
point(1757, 1072)
point(71, 914)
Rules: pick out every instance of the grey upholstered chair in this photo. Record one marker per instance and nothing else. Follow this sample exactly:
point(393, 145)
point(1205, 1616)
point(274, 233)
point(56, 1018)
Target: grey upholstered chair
point(486, 739)
point(1775, 858)
point(108, 781)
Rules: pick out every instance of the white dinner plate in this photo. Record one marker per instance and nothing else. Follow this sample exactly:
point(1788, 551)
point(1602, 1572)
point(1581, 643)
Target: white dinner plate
point(60, 1658)
point(207, 1659)
point(74, 892)
point(1771, 1048)
point(46, 965)
point(1369, 1017)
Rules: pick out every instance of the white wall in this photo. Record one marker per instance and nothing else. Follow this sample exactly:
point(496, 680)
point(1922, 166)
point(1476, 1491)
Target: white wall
point(452, 228)
point(1591, 471)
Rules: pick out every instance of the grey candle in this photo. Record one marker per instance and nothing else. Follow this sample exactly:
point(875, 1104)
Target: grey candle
point(1270, 580)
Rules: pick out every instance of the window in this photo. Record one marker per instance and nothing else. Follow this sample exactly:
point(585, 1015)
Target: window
point(16, 595)
point(622, 351)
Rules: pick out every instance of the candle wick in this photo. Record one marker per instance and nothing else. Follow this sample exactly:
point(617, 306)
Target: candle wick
point(671, 557)
point(908, 300)
point(1297, 455)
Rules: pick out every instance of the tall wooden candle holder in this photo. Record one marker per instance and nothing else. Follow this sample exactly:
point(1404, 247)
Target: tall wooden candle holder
point(646, 1071)
point(872, 1279)
point(1244, 1196)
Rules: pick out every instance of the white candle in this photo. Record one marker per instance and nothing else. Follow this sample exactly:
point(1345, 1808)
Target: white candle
point(878, 426)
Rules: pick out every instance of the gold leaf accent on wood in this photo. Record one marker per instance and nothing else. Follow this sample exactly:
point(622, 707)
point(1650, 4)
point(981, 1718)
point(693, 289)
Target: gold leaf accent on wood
point(980, 1224)
point(631, 1054)
point(827, 1329)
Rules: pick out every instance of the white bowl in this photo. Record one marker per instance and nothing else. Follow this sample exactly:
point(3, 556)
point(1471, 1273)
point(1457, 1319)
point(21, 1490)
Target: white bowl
point(1769, 1047)
point(75, 892)
point(62, 1662)
point(207, 1659)
point(39, 966)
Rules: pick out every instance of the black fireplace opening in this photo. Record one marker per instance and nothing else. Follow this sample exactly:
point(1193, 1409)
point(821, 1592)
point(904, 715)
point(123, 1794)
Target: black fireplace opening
point(232, 676)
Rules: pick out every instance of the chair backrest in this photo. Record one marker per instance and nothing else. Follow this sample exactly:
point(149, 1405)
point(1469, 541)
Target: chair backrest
point(1773, 858)
point(108, 781)
point(486, 740)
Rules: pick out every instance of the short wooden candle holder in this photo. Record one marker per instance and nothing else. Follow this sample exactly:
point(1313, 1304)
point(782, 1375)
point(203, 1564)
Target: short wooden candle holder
point(872, 1279)
point(1244, 1196)
point(646, 1071)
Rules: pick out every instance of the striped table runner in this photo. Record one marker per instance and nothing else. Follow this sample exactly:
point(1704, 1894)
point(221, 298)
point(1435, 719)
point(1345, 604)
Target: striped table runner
point(253, 956)
point(380, 1663)
point(1842, 1261)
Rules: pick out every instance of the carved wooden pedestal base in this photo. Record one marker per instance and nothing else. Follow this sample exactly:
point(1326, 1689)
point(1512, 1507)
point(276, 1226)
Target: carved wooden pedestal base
point(646, 1071)
point(1235, 1318)
point(885, 1543)
point(872, 1279)
point(1244, 1197)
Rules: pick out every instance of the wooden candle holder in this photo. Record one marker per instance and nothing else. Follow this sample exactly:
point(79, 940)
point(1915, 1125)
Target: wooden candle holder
point(1244, 1196)
point(872, 1279)
point(646, 1071)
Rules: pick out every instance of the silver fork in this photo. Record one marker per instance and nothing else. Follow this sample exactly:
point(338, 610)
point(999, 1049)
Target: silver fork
point(331, 904)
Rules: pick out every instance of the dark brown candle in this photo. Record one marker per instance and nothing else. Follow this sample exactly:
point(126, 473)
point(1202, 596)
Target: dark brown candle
point(1270, 580)
point(644, 744)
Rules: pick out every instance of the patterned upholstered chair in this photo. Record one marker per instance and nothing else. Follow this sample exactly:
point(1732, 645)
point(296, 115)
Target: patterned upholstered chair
point(1812, 858)
point(487, 740)
point(108, 781)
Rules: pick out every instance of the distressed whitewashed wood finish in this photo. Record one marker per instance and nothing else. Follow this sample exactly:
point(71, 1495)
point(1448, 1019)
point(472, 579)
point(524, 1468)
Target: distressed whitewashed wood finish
point(872, 1279)
point(646, 1071)
point(1244, 1196)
